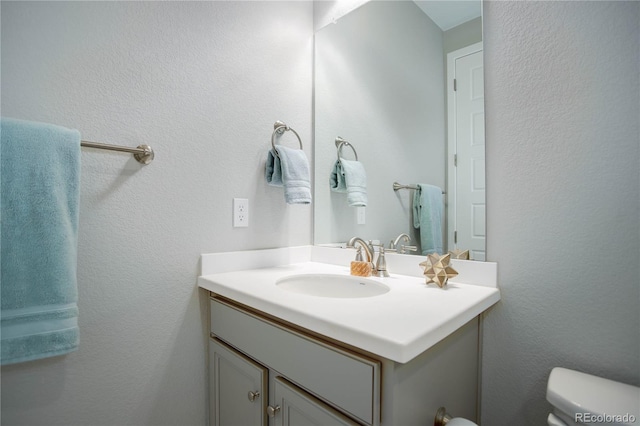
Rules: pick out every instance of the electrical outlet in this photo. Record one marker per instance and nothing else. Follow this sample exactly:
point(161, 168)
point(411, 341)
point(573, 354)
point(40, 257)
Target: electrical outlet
point(240, 212)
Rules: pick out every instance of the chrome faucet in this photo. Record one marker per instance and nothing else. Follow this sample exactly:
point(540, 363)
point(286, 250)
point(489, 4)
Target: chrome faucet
point(367, 248)
point(393, 245)
point(379, 268)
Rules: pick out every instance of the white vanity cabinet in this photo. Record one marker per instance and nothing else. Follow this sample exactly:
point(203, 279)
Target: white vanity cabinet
point(388, 360)
point(264, 371)
point(232, 374)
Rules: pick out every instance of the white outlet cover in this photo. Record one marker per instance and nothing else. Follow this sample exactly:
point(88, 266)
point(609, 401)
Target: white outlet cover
point(240, 212)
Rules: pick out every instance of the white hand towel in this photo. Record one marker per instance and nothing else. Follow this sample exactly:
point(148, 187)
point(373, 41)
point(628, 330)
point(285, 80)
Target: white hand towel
point(428, 208)
point(349, 176)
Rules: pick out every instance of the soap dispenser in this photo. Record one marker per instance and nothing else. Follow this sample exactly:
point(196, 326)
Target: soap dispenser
point(359, 267)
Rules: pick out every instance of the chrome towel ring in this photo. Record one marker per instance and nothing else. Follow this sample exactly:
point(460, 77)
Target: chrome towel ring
point(279, 127)
point(340, 143)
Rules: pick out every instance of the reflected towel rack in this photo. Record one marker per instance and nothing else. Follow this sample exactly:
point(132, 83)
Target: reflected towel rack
point(397, 186)
point(340, 142)
point(142, 153)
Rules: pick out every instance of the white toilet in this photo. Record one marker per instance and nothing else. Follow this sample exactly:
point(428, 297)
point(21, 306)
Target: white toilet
point(580, 399)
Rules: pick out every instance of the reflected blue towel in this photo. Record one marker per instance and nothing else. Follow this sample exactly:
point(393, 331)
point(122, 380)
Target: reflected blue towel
point(40, 191)
point(349, 176)
point(427, 216)
point(290, 170)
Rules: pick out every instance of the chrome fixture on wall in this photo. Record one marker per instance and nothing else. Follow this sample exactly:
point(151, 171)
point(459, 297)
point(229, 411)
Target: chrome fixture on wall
point(279, 127)
point(340, 142)
point(143, 153)
point(397, 186)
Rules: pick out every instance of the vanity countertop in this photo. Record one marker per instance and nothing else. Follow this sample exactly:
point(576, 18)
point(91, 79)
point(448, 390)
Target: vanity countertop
point(397, 325)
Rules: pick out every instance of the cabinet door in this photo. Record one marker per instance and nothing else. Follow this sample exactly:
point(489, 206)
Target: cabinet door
point(295, 407)
point(343, 378)
point(238, 393)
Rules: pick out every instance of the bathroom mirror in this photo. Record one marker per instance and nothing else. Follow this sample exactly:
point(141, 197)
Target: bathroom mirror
point(384, 83)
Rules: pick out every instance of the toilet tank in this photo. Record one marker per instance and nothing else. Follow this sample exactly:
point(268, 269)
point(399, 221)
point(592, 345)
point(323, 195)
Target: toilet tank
point(588, 399)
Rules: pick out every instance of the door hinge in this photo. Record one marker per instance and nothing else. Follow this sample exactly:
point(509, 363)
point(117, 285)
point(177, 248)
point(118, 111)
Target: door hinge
point(455, 160)
point(455, 84)
point(455, 237)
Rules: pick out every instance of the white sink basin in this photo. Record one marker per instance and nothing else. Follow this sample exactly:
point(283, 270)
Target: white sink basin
point(332, 285)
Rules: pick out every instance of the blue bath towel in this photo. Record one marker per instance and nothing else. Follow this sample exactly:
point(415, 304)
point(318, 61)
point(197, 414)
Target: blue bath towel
point(39, 209)
point(290, 169)
point(349, 176)
point(428, 209)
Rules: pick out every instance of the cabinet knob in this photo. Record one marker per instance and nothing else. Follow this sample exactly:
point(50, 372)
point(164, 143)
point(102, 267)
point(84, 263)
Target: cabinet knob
point(271, 411)
point(253, 395)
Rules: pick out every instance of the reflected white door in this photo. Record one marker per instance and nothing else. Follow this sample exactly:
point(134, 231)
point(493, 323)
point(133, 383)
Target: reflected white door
point(466, 188)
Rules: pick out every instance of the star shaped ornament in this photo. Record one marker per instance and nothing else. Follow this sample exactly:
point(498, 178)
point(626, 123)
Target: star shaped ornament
point(437, 269)
point(459, 254)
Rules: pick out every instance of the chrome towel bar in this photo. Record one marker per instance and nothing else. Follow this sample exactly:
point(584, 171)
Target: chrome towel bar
point(397, 186)
point(143, 153)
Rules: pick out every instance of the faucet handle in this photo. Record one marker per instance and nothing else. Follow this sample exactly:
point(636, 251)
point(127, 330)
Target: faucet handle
point(381, 264)
point(404, 249)
point(359, 254)
point(377, 243)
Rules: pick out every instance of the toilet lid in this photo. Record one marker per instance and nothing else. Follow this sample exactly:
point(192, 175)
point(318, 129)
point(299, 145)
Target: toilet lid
point(580, 394)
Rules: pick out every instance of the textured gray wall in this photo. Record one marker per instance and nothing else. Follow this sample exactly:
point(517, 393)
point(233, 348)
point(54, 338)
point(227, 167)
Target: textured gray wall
point(562, 110)
point(203, 83)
